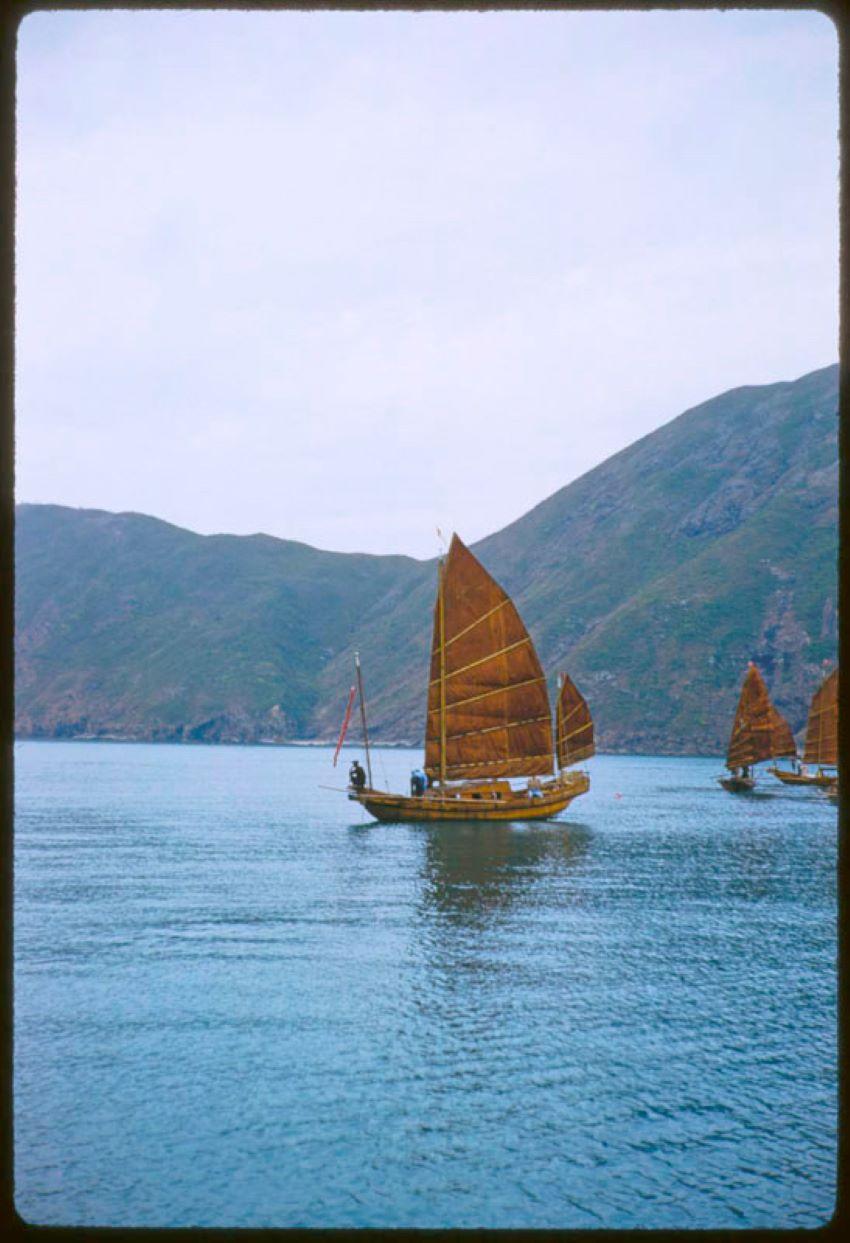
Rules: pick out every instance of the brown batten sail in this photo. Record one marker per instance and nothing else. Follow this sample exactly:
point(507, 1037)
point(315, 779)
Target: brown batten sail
point(822, 729)
point(782, 744)
point(574, 740)
point(487, 695)
point(759, 731)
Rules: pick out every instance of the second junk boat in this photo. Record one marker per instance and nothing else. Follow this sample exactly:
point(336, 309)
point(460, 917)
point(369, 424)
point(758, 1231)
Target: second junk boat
point(759, 732)
point(821, 747)
point(489, 717)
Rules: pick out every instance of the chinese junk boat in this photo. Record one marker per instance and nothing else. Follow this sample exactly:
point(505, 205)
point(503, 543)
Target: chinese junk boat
point(821, 747)
point(489, 717)
point(759, 732)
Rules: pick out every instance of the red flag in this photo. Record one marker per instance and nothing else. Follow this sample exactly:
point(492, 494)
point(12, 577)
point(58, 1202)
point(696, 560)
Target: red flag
point(346, 719)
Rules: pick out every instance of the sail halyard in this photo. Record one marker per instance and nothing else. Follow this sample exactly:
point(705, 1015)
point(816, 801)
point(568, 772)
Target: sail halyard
point(759, 731)
point(574, 740)
point(488, 706)
point(821, 745)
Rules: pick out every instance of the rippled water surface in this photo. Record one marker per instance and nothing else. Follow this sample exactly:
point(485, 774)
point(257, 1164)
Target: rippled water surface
point(241, 1002)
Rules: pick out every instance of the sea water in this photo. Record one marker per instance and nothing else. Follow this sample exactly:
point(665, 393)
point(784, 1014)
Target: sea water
point(239, 1001)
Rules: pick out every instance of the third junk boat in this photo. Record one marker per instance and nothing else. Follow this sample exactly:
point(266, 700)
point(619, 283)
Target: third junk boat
point(821, 747)
point(759, 732)
point(489, 717)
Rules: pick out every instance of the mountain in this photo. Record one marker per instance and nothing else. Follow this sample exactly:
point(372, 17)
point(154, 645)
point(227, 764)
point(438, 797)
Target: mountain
point(130, 627)
point(652, 579)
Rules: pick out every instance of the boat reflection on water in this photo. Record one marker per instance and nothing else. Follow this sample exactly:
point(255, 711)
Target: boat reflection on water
point(473, 872)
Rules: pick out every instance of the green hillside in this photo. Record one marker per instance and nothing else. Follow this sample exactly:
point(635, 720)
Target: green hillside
point(131, 627)
point(652, 579)
point(656, 576)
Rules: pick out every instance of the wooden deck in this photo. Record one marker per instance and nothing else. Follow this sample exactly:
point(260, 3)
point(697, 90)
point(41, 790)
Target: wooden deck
point(437, 805)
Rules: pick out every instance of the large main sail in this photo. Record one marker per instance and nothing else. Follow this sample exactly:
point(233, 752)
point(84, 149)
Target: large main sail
point(573, 725)
point(488, 707)
point(822, 729)
point(759, 732)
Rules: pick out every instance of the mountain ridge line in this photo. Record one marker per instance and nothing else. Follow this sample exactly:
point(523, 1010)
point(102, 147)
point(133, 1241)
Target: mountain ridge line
point(653, 578)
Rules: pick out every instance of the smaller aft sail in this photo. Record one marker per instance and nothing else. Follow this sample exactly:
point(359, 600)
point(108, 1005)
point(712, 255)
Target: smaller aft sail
point(759, 731)
point(574, 740)
point(822, 729)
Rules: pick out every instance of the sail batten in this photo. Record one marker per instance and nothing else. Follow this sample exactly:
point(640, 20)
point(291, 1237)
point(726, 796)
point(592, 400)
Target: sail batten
point(759, 731)
point(517, 768)
point(488, 706)
point(490, 656)
point(497, 690)
point(577, 743)
point(487, 729)
point(478, 621)
point(822, 728)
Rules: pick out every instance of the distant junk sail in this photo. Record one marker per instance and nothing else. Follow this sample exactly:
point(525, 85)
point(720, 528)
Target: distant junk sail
point(759, 732)
point(822, 729)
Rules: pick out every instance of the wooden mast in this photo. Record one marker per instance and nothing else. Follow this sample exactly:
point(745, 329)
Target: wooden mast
point(442, 677)
point(558, 768)
point(363, 716)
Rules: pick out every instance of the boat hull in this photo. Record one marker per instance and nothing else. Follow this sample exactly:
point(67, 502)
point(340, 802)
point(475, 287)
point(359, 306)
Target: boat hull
point(434, 807)
point(737, 785)
point(802, 779)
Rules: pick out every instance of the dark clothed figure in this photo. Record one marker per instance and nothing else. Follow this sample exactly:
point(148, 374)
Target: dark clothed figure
point(357, 776)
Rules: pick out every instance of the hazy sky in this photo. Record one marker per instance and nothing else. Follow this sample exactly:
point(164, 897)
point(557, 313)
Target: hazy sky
point(345, 277)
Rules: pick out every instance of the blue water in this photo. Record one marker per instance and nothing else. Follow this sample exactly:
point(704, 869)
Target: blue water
point(240, 1002)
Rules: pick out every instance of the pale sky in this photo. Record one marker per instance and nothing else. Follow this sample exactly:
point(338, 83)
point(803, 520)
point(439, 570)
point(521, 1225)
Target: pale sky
point(347, 277)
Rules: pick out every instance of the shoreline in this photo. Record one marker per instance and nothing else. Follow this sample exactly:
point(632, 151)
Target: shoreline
point(325, 744)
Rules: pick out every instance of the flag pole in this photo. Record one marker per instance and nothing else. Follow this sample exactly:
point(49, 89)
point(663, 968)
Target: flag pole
point(363, 716)
point(442, 678)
